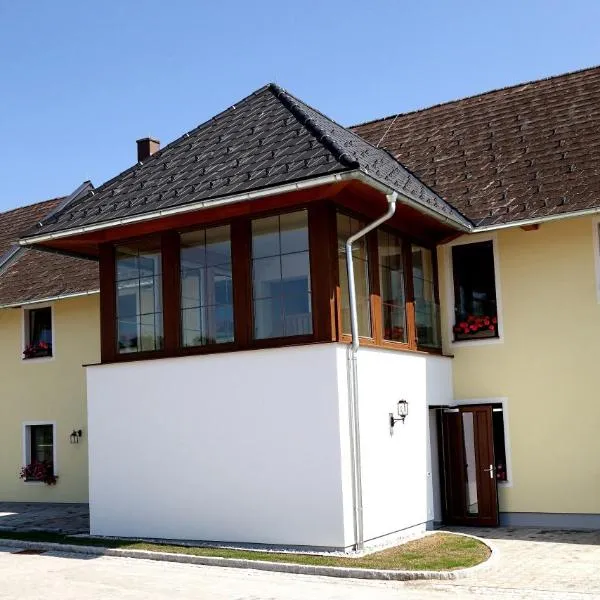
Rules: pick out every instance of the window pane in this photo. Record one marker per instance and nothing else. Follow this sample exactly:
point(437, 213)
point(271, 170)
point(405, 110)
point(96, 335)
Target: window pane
point(139, 297)
point(391, 277)
point(41, 443)
point(265, 237)
point(39, 333)
point(499, 445)
point(472, 505)
point(265, 273)
point(475, 311)
point(206, 287)
point(294, 232)
point(347, 226)
point(281, 281)
point(426, 309)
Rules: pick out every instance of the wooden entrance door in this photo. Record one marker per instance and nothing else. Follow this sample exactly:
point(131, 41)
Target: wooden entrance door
point(471, 493)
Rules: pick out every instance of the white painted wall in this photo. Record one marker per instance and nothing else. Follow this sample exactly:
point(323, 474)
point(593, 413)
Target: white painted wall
point(254, 446)
point(397, 487)
point(239, 447)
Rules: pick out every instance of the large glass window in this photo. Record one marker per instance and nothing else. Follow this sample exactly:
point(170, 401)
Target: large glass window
point(475, 311)
point(206, 287)
point(281, 292)
point(139, 297)
point(426, 308)
point(347, 226)
point(391, 278)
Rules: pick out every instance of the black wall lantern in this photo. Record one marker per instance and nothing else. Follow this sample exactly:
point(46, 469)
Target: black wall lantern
point(75, 435)
point(402, 410)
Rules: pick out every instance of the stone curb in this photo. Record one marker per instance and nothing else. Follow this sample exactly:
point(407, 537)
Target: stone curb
point(261, 565)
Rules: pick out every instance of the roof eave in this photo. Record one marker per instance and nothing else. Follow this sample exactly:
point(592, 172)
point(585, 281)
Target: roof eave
point(586, 212)
point(237, 198)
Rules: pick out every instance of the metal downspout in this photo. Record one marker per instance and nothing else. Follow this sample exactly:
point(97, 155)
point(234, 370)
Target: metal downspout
point(353, 375)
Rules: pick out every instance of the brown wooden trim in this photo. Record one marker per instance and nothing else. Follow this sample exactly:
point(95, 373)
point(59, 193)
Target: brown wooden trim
point(241, 270)
point(323, 304)
point(215, 349)
point(108, 299)
point(411, 323)
point(325, 288)
point(391, 345)
point(436, 276)
point(171, 292)
point(375, 287)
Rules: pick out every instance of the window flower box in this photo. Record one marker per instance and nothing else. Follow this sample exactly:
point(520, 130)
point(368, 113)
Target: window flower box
point(475, 327)
point(38, 350)
point(39, 471)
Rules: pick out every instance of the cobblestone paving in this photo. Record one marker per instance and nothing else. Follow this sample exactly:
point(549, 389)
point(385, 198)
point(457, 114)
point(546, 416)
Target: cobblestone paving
point(44, 516)
point(537, 563)
point(532, 564)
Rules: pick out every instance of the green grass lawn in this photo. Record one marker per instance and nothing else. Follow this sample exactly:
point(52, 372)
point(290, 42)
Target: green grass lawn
point(437, 552)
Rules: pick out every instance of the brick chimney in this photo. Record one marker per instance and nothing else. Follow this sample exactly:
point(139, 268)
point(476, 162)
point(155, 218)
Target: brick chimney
point(146, 147)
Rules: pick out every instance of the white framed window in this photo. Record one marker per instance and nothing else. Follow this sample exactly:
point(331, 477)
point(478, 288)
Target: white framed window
point(39, 445)
point(38, 332)
point(501, 435)
point(473, 298)
point(596, 244)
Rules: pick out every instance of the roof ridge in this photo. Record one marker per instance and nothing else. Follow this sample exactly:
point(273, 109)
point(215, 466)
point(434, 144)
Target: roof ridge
point(295, 107)
point(350, 131)
point(478, 95)
point(299, 103)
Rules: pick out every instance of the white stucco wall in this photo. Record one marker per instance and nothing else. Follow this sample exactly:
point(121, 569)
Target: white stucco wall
point(239, 447)
point(254, 446)
point(396, 466)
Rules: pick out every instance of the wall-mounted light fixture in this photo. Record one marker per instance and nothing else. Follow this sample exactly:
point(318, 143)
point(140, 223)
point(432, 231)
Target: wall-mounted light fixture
point(75, 435)
point(402, 410)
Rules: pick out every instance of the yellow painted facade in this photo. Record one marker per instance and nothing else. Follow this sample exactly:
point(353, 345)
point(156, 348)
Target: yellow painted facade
point(546, 365)
point(48, 390)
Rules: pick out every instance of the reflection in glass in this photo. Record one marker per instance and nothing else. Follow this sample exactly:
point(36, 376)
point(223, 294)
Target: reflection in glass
point(139, 297)
point(426, 308)
point(347, 226)
point(391, 277)
point(281, 276)
point(471, 468)
point(206, 287)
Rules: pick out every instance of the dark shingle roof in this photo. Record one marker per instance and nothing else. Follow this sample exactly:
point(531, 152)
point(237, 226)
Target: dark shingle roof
point(528, 151)
point(267, 139)
point(30, 274)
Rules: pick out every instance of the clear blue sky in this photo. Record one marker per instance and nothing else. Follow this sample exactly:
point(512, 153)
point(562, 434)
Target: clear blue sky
point(80, 81)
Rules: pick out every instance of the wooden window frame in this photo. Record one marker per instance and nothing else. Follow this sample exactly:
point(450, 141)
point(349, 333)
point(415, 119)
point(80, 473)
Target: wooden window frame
point(325, 287)
point(319, 223)
point(377, 339)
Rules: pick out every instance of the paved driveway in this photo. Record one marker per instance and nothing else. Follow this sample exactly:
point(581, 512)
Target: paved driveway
point(44, 516)
point(532, 564)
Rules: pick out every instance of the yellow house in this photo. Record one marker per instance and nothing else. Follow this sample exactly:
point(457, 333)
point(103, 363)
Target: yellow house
point(410, 345)
point(522, 163)
point(48, 330)
point(541, 367)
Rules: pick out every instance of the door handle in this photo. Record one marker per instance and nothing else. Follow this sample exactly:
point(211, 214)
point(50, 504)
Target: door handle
point(491, 471)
